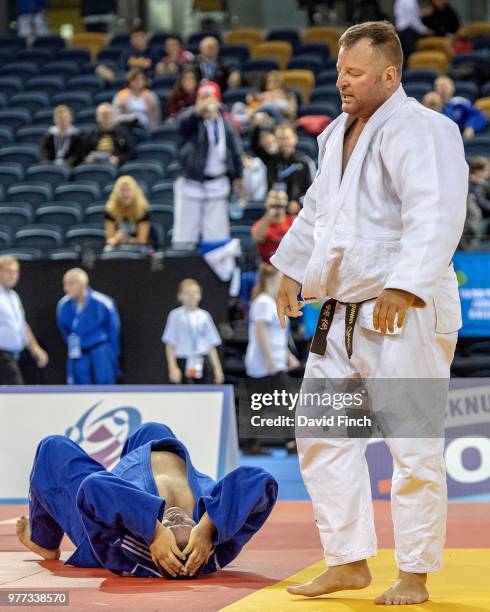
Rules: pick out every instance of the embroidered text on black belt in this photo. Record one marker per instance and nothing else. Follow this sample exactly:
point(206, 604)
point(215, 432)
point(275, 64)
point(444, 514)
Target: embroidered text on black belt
point(319, 342)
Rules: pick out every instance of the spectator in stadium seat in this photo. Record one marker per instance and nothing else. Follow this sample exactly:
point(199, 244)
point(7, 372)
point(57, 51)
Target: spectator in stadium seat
point(479, 183)
point(127, 217)
point(209, 67)
point(472, 230)
point(184, 93)
point(175, 58)
point(441, 18)
point(275, 99)
point(108, 142)
point(63, 143)
point(139, 54)
point(137, 102)
point(287, 166)
point(191, 340)
point(409, 25)
point(254, 178)
point(89, 323)
point(470, 119)
point(269, 230)
point(15, 333)
point(210, 158)
point(433, 101)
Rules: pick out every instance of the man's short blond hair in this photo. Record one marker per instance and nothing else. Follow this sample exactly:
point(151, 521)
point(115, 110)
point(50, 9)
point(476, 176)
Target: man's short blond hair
point(383, 38)
point(76, 274)
point(8, 260)
point(188, 282)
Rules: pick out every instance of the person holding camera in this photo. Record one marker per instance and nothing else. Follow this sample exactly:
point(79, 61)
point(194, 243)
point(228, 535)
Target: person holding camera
point(268, 231)
point(210, 161)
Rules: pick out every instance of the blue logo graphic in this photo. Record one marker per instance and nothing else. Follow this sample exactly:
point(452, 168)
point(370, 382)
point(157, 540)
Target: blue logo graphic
point(102, 433)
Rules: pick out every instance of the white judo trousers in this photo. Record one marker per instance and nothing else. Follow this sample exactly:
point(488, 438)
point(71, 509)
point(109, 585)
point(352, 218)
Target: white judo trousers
point(335, 470)
point(201, 210)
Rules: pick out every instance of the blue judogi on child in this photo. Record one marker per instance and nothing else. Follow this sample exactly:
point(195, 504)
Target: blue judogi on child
point(111, 516)
point(92, 335)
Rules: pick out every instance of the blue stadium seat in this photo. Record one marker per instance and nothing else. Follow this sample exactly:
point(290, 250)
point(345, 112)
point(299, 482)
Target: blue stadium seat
point(36, 195)
point(308, 146)
point(3, 100)
point(6, 136)
point(105, 96)
point(466, 89)
point(147, 172)
point(16, 214)
point(79, 56)
point(95, 214)
point(5, 236)
point(163, 192)
point(478, 145)
point(64, 254)
point(260, 66)
point(481, 42)
point(86, 236)
point(478, 58)
point(158, 39)
point(120, 40)
point(87, 115)
point(306, 62)
point(24, 70)
point(417, 90)
point(29, 101)
point(31, 134)
point(319, 50)
point(10, 85)
point(419, 76)
point(238, 95)
point(326, 77)
point(36, 56)
point(39, 236)
point(83, 194)
point(24, 254)
point(155, 151)
point(10, 174)
point(162, 214)
point(290, 35)
point(111, 54)
point(102, 174)
point(65, 70)
point(49, 42)
point(43, 117)
point(50, 85)
point(166, 133)
point(48, 174)
point(14, 118)
point(239, 52)
point(252, 212)
point(163, 96)
point(5, 57)
point(75, 100)
point(320, 107)
point(13, 44)
point(64, 216)
point(21, 154)
point(243, 233)
point(327, 93)
point(164, 82)
point(485, 90)
point(91, 84)
point(122, 253)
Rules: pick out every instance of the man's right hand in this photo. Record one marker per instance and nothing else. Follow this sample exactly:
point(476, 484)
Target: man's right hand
point(287, 301)
point(175, 375)
point(165, 552)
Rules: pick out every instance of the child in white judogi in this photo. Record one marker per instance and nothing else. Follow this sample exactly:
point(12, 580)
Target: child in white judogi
point(190, 337)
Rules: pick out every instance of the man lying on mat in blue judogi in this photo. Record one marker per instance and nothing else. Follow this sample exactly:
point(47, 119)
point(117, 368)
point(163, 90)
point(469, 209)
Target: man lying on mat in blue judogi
point(152, 515)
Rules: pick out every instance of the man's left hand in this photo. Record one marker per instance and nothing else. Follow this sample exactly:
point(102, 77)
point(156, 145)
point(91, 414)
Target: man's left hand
point(198, 549)
point(40, 357)
point(390, 304)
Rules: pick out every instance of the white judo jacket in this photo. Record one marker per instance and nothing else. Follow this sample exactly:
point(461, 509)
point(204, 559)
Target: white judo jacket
point(393, 220)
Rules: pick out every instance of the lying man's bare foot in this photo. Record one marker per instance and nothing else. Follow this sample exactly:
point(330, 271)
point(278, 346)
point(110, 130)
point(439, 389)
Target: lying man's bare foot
point(408, 589)
point(351, 576)
point(24, 535)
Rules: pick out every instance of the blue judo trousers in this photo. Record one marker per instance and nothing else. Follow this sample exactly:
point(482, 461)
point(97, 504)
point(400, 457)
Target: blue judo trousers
point(97, 329)
point(111, 516)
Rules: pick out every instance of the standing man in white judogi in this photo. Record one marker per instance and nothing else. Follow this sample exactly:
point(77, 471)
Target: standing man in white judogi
point(379, 226)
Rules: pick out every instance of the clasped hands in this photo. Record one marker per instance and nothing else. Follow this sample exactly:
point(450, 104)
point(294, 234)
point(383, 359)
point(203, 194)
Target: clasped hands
point(391, 304)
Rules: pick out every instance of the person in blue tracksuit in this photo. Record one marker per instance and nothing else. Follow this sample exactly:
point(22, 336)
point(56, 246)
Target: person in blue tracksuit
point(89, 323)
point(154, 514)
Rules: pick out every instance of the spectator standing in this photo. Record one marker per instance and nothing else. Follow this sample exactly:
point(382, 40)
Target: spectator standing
point(210, 159)
point(138, 102)
point(63, 143)
point(139, 54)
point(470, 119)
point(175, 58)
point(31, 18)
point(254, 178)
point(184, 93)
point(269, 230)
point(441, 18)
point(209, 67)
point(15, 333)
point(89, 323)
point(190, 339)
point(127, 217)
point(108, 142)
point(479, 183)
point(409, 25)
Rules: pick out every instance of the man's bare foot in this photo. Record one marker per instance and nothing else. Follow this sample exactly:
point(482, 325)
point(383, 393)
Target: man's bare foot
point(24, 535)
point(408, 589)
point(351, 576)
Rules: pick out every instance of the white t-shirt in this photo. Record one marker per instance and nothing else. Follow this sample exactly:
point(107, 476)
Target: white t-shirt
point(190, 332)
point(216, 157)
point(263, 309)
point(12, 322)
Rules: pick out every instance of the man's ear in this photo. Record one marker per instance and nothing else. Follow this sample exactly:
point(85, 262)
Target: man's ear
point(390, 76)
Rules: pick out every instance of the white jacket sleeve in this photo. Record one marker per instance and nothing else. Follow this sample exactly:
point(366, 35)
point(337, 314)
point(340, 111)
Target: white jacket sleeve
point(295, 249)
point(425, 161)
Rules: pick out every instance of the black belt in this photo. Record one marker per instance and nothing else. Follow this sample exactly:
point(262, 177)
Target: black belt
point(212, 178)
point(319, 342)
